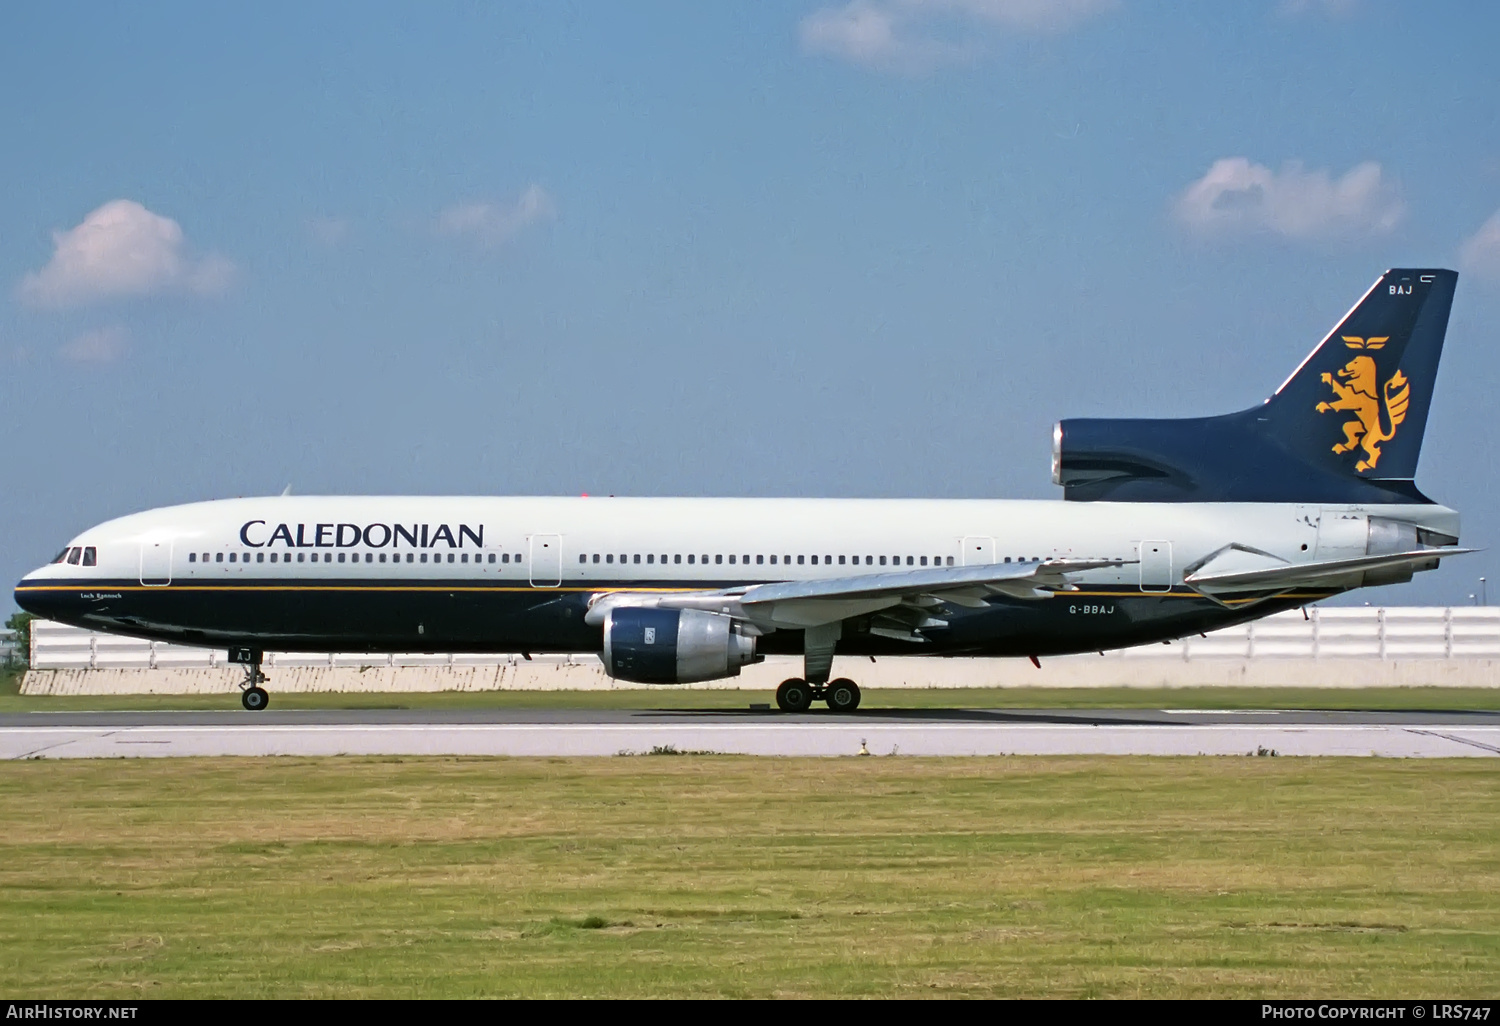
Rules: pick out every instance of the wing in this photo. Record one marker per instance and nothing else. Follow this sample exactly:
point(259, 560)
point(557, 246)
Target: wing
point(905, 601)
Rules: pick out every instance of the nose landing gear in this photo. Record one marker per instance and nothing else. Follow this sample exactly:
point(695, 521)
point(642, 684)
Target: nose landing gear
point(252, 696)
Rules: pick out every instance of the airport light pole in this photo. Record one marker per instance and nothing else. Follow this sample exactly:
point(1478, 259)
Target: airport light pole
point(1484, 598)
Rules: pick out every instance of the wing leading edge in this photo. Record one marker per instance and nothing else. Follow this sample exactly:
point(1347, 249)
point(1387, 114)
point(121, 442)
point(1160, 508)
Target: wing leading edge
point(910, 600)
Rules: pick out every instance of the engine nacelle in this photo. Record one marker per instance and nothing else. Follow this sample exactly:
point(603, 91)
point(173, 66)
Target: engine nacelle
point(674, 646)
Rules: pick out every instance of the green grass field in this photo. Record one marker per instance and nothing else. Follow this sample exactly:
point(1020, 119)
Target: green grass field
point(716, 875)
point(1446, 699)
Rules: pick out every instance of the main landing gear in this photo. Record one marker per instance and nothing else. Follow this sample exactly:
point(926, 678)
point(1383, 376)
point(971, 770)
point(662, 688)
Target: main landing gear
point(797, 695)
point(252, 696)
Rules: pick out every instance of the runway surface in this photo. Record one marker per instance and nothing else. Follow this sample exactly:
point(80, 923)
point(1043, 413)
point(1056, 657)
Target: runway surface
point(543, 732)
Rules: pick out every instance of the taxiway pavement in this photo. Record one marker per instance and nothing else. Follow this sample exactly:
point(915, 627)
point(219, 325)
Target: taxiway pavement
point(925, 732)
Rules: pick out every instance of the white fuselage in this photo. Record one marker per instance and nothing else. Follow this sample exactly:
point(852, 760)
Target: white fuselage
point(579, 542)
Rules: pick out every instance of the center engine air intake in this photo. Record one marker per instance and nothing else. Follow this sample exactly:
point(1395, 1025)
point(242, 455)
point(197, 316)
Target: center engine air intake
point(674, 646)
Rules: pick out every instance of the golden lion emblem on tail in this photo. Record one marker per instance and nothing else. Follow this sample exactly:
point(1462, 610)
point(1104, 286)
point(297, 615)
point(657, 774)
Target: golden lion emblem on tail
point(1357, 390)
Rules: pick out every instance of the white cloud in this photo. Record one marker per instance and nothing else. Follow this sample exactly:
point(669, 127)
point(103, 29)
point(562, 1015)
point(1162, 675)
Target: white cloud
point(916, 35)
point(1237, 197)
point(494, 223)
point(122, 249)
point(1331, 8)
point(1480, 254)
point(328, 231)
point(100, 345)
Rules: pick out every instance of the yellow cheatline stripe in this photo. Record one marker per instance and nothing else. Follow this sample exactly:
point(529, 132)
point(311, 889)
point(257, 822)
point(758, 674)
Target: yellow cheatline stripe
point(324, 587)
point(1174, 593)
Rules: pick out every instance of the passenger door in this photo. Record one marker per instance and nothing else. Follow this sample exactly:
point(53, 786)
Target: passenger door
point(156, 563)
point(979, 550)
point(1156, 566)
point(546, 560)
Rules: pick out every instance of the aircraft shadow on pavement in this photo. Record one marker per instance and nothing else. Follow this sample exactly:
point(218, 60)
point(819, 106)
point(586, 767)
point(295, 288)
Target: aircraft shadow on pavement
point(1089, 718)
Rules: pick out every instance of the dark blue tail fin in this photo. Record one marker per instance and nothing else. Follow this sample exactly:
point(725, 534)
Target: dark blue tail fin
point(1347, 425)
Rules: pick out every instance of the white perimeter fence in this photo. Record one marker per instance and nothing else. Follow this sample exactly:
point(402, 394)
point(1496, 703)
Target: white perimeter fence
point(1416, 632)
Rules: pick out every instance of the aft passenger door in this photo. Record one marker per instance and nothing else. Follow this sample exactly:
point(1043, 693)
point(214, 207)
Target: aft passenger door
point(1156, 566)
point(546, 560)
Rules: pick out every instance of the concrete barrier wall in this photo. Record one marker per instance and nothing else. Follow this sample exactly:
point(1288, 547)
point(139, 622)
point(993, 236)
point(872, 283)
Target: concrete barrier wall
point(1338, 647)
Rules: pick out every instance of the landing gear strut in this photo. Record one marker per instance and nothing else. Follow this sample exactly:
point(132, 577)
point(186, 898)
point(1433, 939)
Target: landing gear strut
point(252, 696)
point(797, 695)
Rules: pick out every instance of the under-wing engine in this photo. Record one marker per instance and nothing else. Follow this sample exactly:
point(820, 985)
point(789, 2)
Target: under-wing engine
point(674, 646)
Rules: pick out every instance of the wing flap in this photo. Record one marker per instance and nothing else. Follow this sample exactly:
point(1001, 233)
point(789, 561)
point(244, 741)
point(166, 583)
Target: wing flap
point(809, 603)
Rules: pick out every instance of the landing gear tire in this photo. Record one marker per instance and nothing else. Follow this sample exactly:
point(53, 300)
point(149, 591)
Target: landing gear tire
point(842, 695)
point(794, 696)
point(254, 699)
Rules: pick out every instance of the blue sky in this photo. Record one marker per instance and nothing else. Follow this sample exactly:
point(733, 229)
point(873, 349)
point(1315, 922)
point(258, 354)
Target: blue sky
point(774, 248)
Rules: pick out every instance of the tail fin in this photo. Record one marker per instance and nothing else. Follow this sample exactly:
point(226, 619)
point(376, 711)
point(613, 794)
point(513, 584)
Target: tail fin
point(1346, 426)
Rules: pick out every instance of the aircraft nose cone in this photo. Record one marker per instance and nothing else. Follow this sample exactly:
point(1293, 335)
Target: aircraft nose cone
point(46, 604)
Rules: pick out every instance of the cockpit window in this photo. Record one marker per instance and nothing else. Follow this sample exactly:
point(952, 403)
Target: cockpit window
point(90, 556)
point(74, 554)
point(61, 556)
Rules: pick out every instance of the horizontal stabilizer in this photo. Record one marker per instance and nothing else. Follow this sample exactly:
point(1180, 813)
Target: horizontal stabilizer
point(1331, 573)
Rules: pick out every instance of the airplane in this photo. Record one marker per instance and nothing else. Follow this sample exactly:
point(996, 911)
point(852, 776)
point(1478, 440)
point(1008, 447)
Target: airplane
point(1166, 528)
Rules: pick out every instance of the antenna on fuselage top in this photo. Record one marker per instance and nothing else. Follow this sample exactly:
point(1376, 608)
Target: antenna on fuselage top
point(286, 491)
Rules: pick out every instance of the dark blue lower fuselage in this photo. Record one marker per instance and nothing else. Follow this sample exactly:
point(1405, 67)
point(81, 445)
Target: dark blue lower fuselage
point(463, 616)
